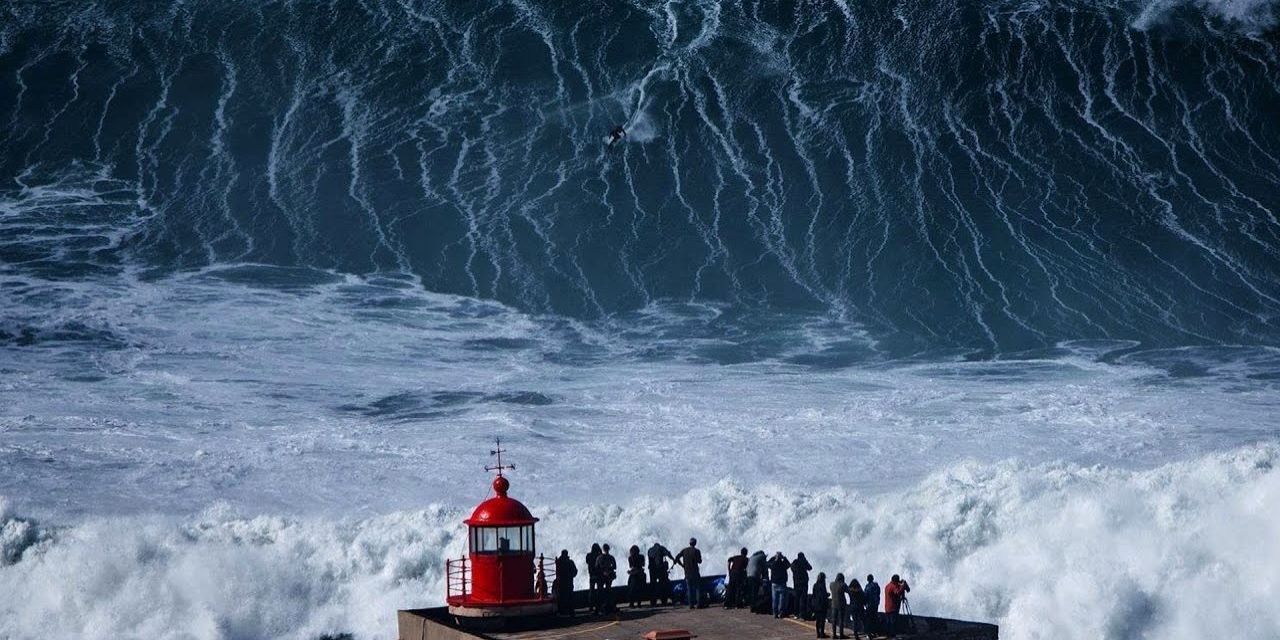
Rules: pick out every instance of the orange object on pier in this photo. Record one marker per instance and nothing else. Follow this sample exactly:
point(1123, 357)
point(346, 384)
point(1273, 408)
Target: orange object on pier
point(670, 634)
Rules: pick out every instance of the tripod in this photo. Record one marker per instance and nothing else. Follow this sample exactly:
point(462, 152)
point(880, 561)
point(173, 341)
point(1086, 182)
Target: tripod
point(906, 615)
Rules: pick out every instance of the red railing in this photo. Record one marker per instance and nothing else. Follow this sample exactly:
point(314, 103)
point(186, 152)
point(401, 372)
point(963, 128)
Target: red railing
point(457, 579)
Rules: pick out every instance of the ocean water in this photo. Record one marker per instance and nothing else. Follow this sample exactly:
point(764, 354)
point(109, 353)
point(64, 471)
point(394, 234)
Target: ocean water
point(984, 293)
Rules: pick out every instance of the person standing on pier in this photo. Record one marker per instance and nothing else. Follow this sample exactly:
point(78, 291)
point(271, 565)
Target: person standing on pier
point(689, 558)
point(839, 607)
point(894, 594)
point(778, 566)
point(607, 569)
point(821, 603)
point(872, 591)
point(800, 580)
point(593, 578)
point(757, 574)
point(566, 570)
point(635, 577)
point(736, 593)
point(659, 580)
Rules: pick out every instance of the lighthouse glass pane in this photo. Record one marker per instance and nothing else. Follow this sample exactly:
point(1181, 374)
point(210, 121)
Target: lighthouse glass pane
point(510, 540)
point(486, 540)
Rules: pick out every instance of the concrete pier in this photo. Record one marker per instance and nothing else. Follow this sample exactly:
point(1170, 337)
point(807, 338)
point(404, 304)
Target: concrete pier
point(712, 623)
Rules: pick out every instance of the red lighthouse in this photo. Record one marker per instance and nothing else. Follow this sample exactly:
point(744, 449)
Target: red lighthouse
point(498, 577)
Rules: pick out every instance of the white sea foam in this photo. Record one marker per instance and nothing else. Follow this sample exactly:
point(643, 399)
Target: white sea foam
point(1056, 551)
point(331, 407)
point(358, 397)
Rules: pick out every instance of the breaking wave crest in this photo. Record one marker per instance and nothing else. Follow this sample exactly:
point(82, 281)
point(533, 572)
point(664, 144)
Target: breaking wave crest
point(1182, 551)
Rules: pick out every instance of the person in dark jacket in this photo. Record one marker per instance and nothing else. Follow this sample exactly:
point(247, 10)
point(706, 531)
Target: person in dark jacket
point(821, 603)
point(872, 591)
point(736, 592)
point(800, 569)
point(778, 566)
point(757, 574)
point(839, 607)
point(593, 578)
point(857, 608)
point(566, 570)
point(659, 574)
point(635, 577)
point(689, 558)
point(607, 572)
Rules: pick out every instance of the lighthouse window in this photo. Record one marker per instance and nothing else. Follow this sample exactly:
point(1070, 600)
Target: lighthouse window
point(484, 540)
point(502, 539)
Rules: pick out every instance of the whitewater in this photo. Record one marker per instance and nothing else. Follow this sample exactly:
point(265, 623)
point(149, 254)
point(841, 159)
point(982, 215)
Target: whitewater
point(985, 293)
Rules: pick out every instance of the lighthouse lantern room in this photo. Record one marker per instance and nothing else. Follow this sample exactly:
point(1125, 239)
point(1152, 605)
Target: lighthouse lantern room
point(498, 576)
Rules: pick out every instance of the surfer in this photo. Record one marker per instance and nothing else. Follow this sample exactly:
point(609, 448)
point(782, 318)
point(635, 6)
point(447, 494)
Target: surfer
point(616, 134)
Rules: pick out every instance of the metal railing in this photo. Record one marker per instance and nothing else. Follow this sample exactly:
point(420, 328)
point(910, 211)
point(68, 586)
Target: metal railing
point(457, 579)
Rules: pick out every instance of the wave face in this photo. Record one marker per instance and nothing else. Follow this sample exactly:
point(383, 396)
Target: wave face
point(991, 175)
point(1182, 551)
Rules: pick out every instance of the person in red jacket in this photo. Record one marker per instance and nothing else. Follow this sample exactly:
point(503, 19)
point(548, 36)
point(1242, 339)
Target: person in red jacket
point(895, 593)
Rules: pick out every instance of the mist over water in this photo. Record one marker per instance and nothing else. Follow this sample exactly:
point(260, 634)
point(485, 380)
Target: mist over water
point(986, 293)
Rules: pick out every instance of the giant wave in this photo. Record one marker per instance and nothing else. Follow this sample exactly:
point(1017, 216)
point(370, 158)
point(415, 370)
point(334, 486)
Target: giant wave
point(994, 175)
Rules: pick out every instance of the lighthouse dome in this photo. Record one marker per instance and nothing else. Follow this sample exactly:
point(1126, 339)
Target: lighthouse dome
point(500, 510)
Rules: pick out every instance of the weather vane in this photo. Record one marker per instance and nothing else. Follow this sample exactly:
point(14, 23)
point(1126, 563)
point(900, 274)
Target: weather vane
point(498, 451)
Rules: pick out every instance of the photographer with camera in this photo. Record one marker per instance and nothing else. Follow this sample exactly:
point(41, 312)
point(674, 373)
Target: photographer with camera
point(895, 596)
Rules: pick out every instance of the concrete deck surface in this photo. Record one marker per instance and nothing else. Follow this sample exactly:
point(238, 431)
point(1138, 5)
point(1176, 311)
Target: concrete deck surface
point(712, 623)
